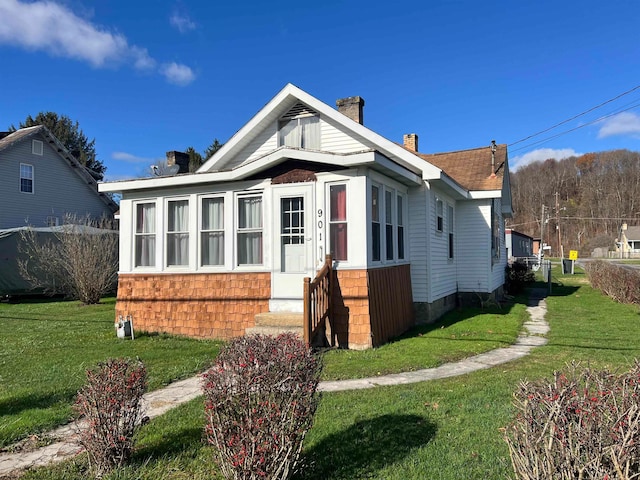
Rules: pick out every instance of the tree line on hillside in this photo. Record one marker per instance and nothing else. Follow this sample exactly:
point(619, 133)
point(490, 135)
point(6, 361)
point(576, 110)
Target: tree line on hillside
point(78, 144)
point(579, 203)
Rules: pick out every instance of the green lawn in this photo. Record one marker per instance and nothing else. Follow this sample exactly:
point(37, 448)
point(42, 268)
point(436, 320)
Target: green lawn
point(46, 347)
point(444, 429)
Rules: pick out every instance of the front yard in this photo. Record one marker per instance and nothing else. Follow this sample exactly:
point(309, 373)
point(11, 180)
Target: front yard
point(444, 429)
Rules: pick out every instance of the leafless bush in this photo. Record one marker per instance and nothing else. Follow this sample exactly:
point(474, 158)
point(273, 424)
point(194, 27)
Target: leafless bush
point(110, 404)
point(583, 425)
point(615, 281)
point(260, 398)
point(80, 260)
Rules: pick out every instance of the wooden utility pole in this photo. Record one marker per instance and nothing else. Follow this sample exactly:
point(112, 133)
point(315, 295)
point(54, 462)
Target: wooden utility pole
point(560, 252)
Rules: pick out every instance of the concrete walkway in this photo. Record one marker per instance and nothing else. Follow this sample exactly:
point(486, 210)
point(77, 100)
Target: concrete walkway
point(158, 402)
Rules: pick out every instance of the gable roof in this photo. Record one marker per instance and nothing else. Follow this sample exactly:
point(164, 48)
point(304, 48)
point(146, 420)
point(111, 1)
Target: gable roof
point(79, 169)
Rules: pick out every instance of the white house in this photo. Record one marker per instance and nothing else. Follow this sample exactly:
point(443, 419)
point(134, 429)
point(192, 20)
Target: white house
point(410, 234)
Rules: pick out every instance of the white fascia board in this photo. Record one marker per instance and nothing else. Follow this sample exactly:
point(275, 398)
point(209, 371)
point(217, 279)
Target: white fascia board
point(484, 194)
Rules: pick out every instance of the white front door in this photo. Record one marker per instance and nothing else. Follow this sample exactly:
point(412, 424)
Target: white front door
point(293, 255)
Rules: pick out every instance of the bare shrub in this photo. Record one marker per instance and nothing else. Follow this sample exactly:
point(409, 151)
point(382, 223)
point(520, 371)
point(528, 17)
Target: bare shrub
point(80, 261)
point(110, 404)
point(615, 281)
point(583, 425)
point(260, 398)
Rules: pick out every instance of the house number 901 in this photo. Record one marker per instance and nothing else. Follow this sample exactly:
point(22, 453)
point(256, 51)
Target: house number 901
point(320, 224)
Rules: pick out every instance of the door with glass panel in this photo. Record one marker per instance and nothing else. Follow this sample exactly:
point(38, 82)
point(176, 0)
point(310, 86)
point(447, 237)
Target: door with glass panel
point(293, 255)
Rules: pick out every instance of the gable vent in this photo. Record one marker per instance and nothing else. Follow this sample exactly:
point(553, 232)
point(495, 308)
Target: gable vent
point(299, 110)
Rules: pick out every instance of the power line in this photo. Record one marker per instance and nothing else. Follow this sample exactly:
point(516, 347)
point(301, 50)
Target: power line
point(576, 116)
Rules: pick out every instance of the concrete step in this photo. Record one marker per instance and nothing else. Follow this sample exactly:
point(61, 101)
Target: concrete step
point(274, 330)
point(279, 319)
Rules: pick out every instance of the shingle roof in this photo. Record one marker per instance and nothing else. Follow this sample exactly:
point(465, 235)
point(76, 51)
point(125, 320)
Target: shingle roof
point(18, 135)
point(474, 169)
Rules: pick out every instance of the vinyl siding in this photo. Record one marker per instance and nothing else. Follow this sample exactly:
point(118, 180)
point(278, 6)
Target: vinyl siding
point(473, 228)
point(418, 242)
point(58, 190)
point(443, 270)
point(337, 141)
point(265, 142)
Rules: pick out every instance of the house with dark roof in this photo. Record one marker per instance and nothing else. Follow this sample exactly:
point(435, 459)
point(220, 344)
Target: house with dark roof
point(390, 236)
point(41, 182)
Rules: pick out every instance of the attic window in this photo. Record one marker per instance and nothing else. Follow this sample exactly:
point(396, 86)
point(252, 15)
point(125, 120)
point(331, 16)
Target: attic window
point(37, 147)
point(299, 128)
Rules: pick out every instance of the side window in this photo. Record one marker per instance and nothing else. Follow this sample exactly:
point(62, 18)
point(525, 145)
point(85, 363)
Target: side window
point(212, 232)
point(388, 222)
point(249, 230)
point(145, 235)
point(375, 223)
point(400, 227)
point(26, 178)
point(338, 221)
point(177, 233)
point(439, 215)
point(37, 147)
point(300, 132)
point(450, 221)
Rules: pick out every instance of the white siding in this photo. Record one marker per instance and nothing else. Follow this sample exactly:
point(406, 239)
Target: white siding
point(418, 242)
point(337, 141)
point(265, 142)
point(57, 188)
point(443, 270)
point(473, 228)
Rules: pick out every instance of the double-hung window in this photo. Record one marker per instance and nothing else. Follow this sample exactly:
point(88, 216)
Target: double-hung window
point(212, 232)
point(450, 222)
point(399, 199)
point(26, 178)
point(338, 221)
point(439, 215)
point(375, 223)
point(250, 230)
point(388, 220)
point(177, 233)
point(145, 235)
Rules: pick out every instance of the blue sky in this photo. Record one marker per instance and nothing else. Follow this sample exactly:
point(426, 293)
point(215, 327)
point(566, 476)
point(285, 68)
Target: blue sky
point(143, 77)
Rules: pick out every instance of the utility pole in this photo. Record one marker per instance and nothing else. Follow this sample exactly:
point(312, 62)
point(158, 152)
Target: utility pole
point(540, 248)
point(560, 252)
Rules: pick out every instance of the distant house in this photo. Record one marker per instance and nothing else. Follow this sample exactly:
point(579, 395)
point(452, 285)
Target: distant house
point(518, 244)
point(410, 234)
point(41, 182)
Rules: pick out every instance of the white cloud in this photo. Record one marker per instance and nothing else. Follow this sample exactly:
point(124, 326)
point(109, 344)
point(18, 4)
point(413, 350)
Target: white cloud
point(177, 74)
point(542, 154)
point(130, 158)
point(625, 123)
point(182, 22)
point(50, 27)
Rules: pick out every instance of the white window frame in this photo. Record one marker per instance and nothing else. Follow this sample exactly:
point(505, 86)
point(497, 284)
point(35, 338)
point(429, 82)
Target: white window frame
point(451, 236)
point(389, 224)
point(33, 180)
point(202, 231)
point(303, 141)
point(37, 147)
point(167, 233)
point(401, 239)
point(375, 208)
point(331, 222)
point(238, 230)
point(53, 221)
point(439, 215)
point(137, 234)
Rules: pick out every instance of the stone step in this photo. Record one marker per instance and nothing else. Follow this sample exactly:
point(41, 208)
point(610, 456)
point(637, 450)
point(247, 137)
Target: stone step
point(279, 319)
point(274, 330)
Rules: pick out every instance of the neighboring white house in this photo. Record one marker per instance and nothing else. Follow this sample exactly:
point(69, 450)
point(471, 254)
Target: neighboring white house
point(410, 234)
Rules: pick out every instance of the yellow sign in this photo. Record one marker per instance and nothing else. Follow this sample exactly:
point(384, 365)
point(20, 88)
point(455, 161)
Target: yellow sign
point(573, 254)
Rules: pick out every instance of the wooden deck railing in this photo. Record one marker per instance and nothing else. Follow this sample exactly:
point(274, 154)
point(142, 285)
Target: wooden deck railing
point(317, 301)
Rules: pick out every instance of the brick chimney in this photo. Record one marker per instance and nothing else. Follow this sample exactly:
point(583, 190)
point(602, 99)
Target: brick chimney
point(352, 108)
point(178, 158)
point(410, 141)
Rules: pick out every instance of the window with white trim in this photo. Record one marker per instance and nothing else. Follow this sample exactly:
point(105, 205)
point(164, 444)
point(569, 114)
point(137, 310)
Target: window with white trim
point(375, 223)
point(212, 231)
point(299, 128)
point(439, 215)
point(450, 223)
point(26, 178)
point(53, 221)
point(400, 231)
point(388, 223)
point(177, 233)
point(338, 221)
point(145, 235)
point(37, 147)
point(249, 232)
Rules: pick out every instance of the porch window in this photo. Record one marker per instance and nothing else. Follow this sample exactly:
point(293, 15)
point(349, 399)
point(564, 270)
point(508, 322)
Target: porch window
point(26, 178)
point(450, 221)
point(250, 230)
point(439, 215)
point(145, 235)
point(300, 132)
point(178, 233)
point(400, 228)
point(375, 223)
point(338, 221)
point(388, 219)
point(212, 232)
